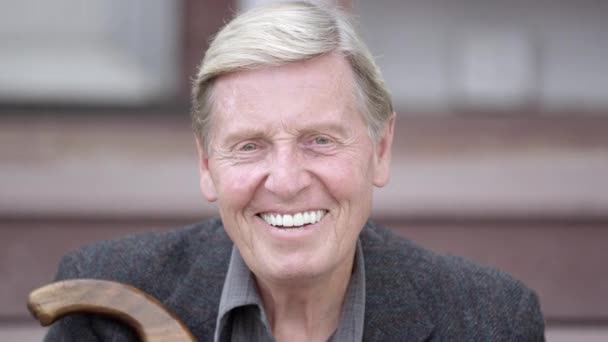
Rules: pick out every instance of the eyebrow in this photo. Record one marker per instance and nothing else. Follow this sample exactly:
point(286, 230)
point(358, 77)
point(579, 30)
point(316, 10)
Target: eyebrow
point(245, 133)
point(329, 126)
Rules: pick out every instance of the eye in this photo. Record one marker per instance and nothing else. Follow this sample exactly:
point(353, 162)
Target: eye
point(248, 147)
point(321, 140)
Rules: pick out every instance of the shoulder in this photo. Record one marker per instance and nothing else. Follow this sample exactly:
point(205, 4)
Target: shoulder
point(423, 267)
point(183, 268)
point(456, 293)
point(151, 261)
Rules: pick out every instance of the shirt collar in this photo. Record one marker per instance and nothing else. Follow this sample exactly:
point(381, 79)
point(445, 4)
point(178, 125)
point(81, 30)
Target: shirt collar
point(240, 290)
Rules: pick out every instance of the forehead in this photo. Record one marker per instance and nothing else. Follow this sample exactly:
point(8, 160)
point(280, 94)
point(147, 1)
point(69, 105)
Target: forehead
point(322, 83)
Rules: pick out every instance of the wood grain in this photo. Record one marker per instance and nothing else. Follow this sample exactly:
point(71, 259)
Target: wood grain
point(146, 315)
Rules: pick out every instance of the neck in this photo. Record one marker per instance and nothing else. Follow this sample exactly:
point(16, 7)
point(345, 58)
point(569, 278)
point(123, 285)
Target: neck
point(306, 310)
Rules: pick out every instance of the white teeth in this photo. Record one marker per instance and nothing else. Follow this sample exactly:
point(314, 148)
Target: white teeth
point(287, 220)
point(306, 217)
point(295, 220)
point(298, 220)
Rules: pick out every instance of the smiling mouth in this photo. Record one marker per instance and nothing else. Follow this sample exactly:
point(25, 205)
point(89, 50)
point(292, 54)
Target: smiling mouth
point(296, 220)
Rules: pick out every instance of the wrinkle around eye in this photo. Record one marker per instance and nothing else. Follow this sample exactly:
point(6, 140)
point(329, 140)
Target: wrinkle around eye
point(235, 156)
point(319, 139)
point(332, 147)
point(327, 145)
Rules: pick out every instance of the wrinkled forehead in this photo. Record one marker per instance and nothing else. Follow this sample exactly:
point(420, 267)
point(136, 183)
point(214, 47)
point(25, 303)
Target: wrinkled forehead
point(322, 83)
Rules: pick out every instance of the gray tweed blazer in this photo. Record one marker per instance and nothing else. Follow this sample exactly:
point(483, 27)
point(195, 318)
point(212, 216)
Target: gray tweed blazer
point(412, 294)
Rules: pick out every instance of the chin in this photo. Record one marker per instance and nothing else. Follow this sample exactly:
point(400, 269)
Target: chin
point(299, 268)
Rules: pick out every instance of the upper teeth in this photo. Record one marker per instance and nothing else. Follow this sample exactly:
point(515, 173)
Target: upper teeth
point(295, 220)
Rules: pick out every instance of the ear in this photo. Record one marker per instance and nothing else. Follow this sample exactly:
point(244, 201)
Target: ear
point(206, 182)
point(382, 170)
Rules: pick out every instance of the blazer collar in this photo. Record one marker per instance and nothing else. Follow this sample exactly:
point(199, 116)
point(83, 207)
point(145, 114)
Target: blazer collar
point(393, 310)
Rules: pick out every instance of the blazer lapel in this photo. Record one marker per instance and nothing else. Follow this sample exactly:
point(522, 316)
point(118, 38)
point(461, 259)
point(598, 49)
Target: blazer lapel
point(393, 311)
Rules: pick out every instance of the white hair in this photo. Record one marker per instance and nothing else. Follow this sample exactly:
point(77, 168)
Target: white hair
point(288, 32)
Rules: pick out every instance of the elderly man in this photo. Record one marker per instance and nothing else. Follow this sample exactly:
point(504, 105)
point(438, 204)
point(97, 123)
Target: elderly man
point(294, 128)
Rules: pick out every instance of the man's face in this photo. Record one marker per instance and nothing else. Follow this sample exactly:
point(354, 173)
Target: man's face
point(292, 166)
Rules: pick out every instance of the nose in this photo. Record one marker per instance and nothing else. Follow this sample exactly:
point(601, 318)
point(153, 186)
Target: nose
point(287, 174)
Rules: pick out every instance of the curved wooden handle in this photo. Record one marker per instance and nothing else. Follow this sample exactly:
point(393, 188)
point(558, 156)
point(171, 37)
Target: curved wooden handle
point(142, 312)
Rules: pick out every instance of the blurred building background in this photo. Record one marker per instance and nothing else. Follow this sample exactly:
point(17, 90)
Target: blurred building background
point(501, 147)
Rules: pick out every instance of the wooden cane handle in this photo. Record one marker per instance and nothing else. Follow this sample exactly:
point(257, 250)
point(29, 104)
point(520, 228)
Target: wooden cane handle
point(142, 312)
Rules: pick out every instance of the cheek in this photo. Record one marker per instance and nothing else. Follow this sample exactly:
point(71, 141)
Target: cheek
point(346, 176)
point(237, 185)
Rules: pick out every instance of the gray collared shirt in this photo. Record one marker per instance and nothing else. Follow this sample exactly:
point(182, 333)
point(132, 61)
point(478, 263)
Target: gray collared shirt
point(241, 314)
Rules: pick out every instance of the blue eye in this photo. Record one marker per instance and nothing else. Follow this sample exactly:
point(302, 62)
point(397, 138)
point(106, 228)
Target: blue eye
point(321, 140)
point(248, 147)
